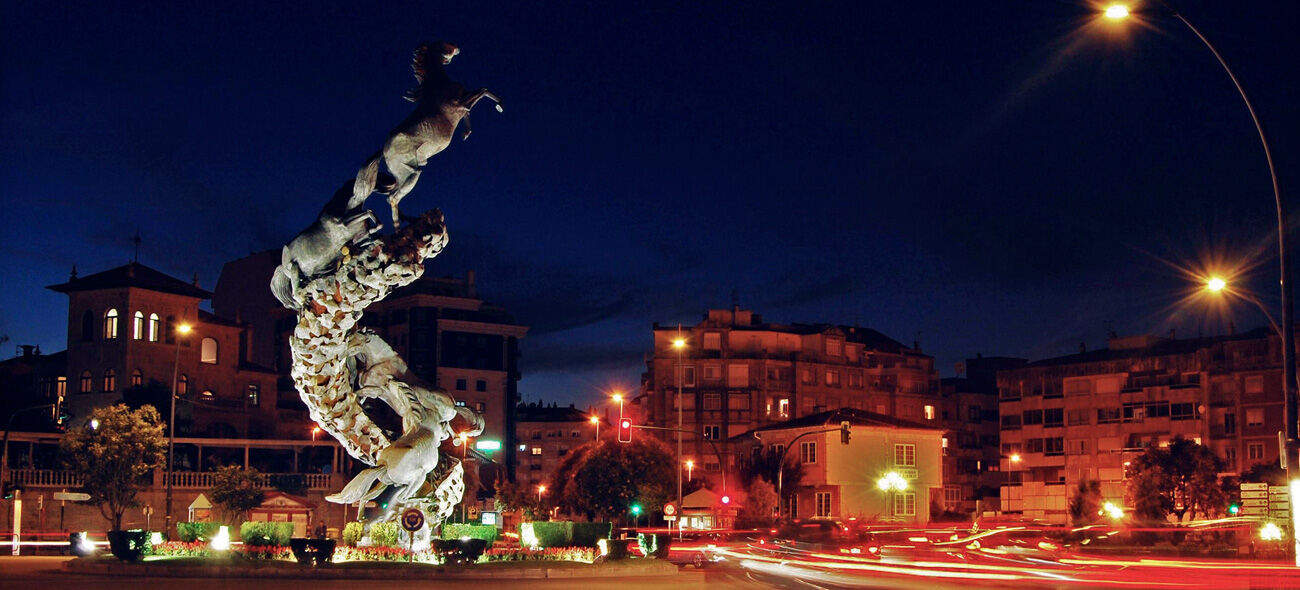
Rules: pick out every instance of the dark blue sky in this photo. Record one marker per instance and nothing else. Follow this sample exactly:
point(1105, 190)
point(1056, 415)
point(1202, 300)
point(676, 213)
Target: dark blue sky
point(1002, 177)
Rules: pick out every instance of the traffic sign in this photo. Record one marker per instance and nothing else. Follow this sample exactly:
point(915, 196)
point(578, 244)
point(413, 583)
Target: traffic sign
point(412, 520)
point(1253, 494)
point(1245, 502)
point(1254, 486)
point(670, 509)
point(71, 496)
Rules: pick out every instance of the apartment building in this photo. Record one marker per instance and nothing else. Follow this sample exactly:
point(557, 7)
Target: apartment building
point(970, 447)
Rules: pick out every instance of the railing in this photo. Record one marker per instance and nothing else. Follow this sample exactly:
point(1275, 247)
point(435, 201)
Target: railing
point(58, 478)
point(54, 478)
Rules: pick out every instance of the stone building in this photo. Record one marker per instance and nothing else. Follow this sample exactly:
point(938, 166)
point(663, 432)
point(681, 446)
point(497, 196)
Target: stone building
point(123, 331)
point(446, 333)
point(739, 373)
point(1085, 416)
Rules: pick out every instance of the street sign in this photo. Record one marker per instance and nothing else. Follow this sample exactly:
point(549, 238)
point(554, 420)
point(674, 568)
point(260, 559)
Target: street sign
point(71, 496)
point(1255, 494)
point(1254, 486)
point(670, 518)
point(412, 520)
point(670, 509)
point(1254, 502)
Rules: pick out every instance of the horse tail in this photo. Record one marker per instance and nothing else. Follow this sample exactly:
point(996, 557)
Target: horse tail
point(281, 286)
point(367, 176)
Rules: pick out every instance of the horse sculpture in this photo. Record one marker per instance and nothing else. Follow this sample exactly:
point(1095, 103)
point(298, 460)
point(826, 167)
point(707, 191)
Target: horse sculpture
point(315, 250)
point(441, 104)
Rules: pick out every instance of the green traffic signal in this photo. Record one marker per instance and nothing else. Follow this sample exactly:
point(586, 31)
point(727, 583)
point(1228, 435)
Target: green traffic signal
point(636, 509)
point(1234, 508)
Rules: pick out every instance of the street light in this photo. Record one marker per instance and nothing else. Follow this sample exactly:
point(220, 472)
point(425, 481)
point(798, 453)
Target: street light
point(1116, 11)
point(314, 431)
point(618, 397)
point(181, 331)
point(679, 343)
point(596, 421)
point(540, 490)
point(1215, 284)
point(690, 469)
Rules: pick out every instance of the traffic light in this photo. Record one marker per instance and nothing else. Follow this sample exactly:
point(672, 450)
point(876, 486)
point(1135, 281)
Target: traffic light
point(636, 509)
point(844, 432)
point(625, 430)
point(726, 499)
point(1234, 508)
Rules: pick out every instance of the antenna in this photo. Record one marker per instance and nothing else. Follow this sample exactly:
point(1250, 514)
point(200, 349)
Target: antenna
point(136, 240)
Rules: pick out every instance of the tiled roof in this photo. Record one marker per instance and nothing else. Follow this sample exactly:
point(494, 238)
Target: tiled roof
point(134, 275)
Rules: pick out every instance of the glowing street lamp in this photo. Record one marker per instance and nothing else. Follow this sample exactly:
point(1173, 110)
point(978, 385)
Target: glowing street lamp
point(1116, 11)
point(596, 421)
point(690, 468)
point(1111, 510)
point(679, 344)
point(181, 330)
point(892, 482)
point(314, 431)
point(1215, 284)
point(540, 490)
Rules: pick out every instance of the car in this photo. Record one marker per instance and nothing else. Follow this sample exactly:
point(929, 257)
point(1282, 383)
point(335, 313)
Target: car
point(700, 548)
point(826, 538)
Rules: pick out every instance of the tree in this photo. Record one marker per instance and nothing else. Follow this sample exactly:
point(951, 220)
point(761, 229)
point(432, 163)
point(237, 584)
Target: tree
point(758, 508)
point(1178, 479)
point(611, 476)
point(236, 490)
point(765, 466)
point(1085, 506)
point(112, 458)
point(512, 496)
point(1269, 473)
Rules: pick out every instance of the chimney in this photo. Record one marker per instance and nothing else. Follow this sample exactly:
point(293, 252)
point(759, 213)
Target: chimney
point(30, 350)
point(195, 280)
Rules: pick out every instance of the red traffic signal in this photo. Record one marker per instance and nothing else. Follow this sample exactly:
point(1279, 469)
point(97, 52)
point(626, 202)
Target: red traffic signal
point(726, 499)
point(625, 430)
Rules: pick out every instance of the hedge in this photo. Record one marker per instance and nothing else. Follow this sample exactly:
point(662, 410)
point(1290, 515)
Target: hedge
point(190, 532)
point(385, 534)
point(352, 532)
point(259, 534)
point(455, 530)
point(586, 534)
point(546, 534)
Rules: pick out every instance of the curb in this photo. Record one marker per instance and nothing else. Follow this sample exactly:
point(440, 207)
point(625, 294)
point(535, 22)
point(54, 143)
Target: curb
point(607, 570)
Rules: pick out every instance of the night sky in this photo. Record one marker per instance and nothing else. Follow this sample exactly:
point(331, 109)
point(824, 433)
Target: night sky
point(1006, 178)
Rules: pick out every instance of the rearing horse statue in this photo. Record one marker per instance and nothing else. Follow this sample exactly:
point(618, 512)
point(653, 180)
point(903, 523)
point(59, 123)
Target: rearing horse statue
point(441, 104)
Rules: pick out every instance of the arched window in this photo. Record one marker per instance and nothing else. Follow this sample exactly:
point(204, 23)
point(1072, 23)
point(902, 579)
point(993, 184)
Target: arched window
point(110, 324)
point(137, 378)
point(254, 395)
point(183, 385)
point(207, 394)
point(87, 326)
point(137, 326)
point(170, 334)
point(155, 325)
point(208, 353)
point(110, 380)
point(86, 381)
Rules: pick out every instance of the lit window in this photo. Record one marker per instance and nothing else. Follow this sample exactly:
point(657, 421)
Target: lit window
point(929, 412)
point(1254, 416)
point(1255, 384)
point(783, 407)
point(537, 450)
point(905, 504)
point(110, 324)
point(137, 326)
point(254, 395)
point(86, 381)
point(208, 351)
point(207, 394)
point(110, 380)
point(182, 385)
point(61, 387)
point(137, 378)
point(155, 326)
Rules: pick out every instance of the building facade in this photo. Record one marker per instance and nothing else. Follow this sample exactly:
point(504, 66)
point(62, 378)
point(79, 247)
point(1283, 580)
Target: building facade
point(124, 331)
point(546, 435)
point(740, 374)
point(1085, 416)
point(842, 481)
point(970, 418)
point(448, 336)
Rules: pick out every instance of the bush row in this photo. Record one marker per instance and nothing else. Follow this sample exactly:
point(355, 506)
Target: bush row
point(261, 534)
point(563, 533)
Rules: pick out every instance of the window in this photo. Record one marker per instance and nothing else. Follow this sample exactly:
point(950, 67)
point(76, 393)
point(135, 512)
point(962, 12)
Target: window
point(137, 378)
point(1255, 451)
point(1053, 417)
point(110, 324)
point(1182, 411)
point(712, 341)
point(808, 452)
point(951, 496)
point(1108, 415)
point(1254, 417)
point(1033, 445)
point(1077, 447)
point(481, 407)
point(208, 351)
point(155, 325)
point(712, 431)
point(61, 387)
point(973, 414)
point(1054, 446)
point(137, 326)
point(807, 377)
point(834, 347)
point(1033, 417)
point(905, 455)
point(207, 394)
point(792, 506)
point(737, 375)
point(712, 401)
point(688, 376)
point(823, 502)
point(1079, 417)
point(1230, 458)
point(905, 504)
point(929, 412)
point(1078, 387)
point(110, 380)
point(461, 385)
point(1011, 422)
point(183, 385)
point(1230, 423)
point(87, 326)
point(712, 372)
point(832, 378)
point(855, 380)
point(783, 407)
point(254, 395)
point(1255, 384)
point(86, 381)
point(536, 451)
point(480, 385)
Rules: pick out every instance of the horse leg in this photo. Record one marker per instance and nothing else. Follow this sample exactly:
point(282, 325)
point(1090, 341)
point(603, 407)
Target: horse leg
point(404, 185)
point(468, 130)
point(473, 99)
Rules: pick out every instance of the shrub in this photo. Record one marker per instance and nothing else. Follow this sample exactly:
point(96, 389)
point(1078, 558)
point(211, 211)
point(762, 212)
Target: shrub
point(259, 534)
point(189, 532)
point(546, 534)
point(352, 533)
point(586, 534)
point(385, 534)
point(581, 554)
point(486, 532)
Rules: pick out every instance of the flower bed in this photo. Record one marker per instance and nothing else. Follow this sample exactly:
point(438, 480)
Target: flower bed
point(379, 553)
point(581, 554)
point(202, 549)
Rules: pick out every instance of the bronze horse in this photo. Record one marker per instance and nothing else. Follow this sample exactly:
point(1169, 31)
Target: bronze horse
point(441, 104)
